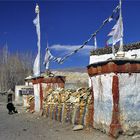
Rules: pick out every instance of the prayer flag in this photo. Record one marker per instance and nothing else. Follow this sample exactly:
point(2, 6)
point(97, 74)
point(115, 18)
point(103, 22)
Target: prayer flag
point(36, 66)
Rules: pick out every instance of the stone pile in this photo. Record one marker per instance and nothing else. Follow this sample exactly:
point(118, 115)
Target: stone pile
point(73, 106)
point(30, 101)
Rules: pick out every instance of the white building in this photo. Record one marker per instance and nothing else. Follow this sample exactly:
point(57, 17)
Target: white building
point(115, 83)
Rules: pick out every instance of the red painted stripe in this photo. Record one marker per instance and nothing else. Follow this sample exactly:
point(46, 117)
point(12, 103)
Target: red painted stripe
point(115, 127)
point(41, 96)
point(91, 107)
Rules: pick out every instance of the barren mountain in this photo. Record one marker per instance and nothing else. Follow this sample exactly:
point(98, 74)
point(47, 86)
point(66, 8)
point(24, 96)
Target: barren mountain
point(74, 79)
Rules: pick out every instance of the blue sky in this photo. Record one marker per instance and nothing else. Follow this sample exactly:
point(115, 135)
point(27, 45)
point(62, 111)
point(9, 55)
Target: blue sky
point(65, 25)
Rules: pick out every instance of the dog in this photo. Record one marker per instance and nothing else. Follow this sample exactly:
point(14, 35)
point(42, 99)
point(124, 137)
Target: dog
point(11, 108)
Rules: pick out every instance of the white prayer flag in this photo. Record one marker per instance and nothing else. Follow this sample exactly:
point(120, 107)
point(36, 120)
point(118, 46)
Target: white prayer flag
point(117, 31)
point(47, 58)
point(111, 33)
point(36, 66)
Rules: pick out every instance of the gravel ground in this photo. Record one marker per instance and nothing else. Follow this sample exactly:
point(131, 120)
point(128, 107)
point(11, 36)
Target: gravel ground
point(27, 126)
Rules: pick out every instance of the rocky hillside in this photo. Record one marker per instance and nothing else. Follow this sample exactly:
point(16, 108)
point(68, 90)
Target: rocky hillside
point(74, 79)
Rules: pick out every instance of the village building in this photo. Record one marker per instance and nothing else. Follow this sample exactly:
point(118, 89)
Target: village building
point(28, 81)
point(21, 94)
point(23, 91)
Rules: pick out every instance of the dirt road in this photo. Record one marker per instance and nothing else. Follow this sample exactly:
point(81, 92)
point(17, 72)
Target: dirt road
point(26, 126)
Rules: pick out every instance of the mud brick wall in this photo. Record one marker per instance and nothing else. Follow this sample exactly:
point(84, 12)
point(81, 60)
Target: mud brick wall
point(115, 85)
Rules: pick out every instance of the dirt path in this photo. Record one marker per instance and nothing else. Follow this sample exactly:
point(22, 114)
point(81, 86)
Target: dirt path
point(26, 126)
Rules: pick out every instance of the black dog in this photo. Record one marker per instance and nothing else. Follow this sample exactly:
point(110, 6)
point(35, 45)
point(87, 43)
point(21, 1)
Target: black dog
point(11, 108)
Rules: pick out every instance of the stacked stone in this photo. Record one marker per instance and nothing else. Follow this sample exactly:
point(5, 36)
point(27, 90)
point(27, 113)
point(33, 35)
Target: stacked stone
point(69, 106)
point(30, 100)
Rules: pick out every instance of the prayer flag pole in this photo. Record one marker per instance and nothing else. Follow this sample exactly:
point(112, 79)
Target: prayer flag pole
point(120, 52)
point(36, 21)
point(121, 41)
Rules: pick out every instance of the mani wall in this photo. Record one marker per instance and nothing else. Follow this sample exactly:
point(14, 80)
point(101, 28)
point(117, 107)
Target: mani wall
point(112, 102)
